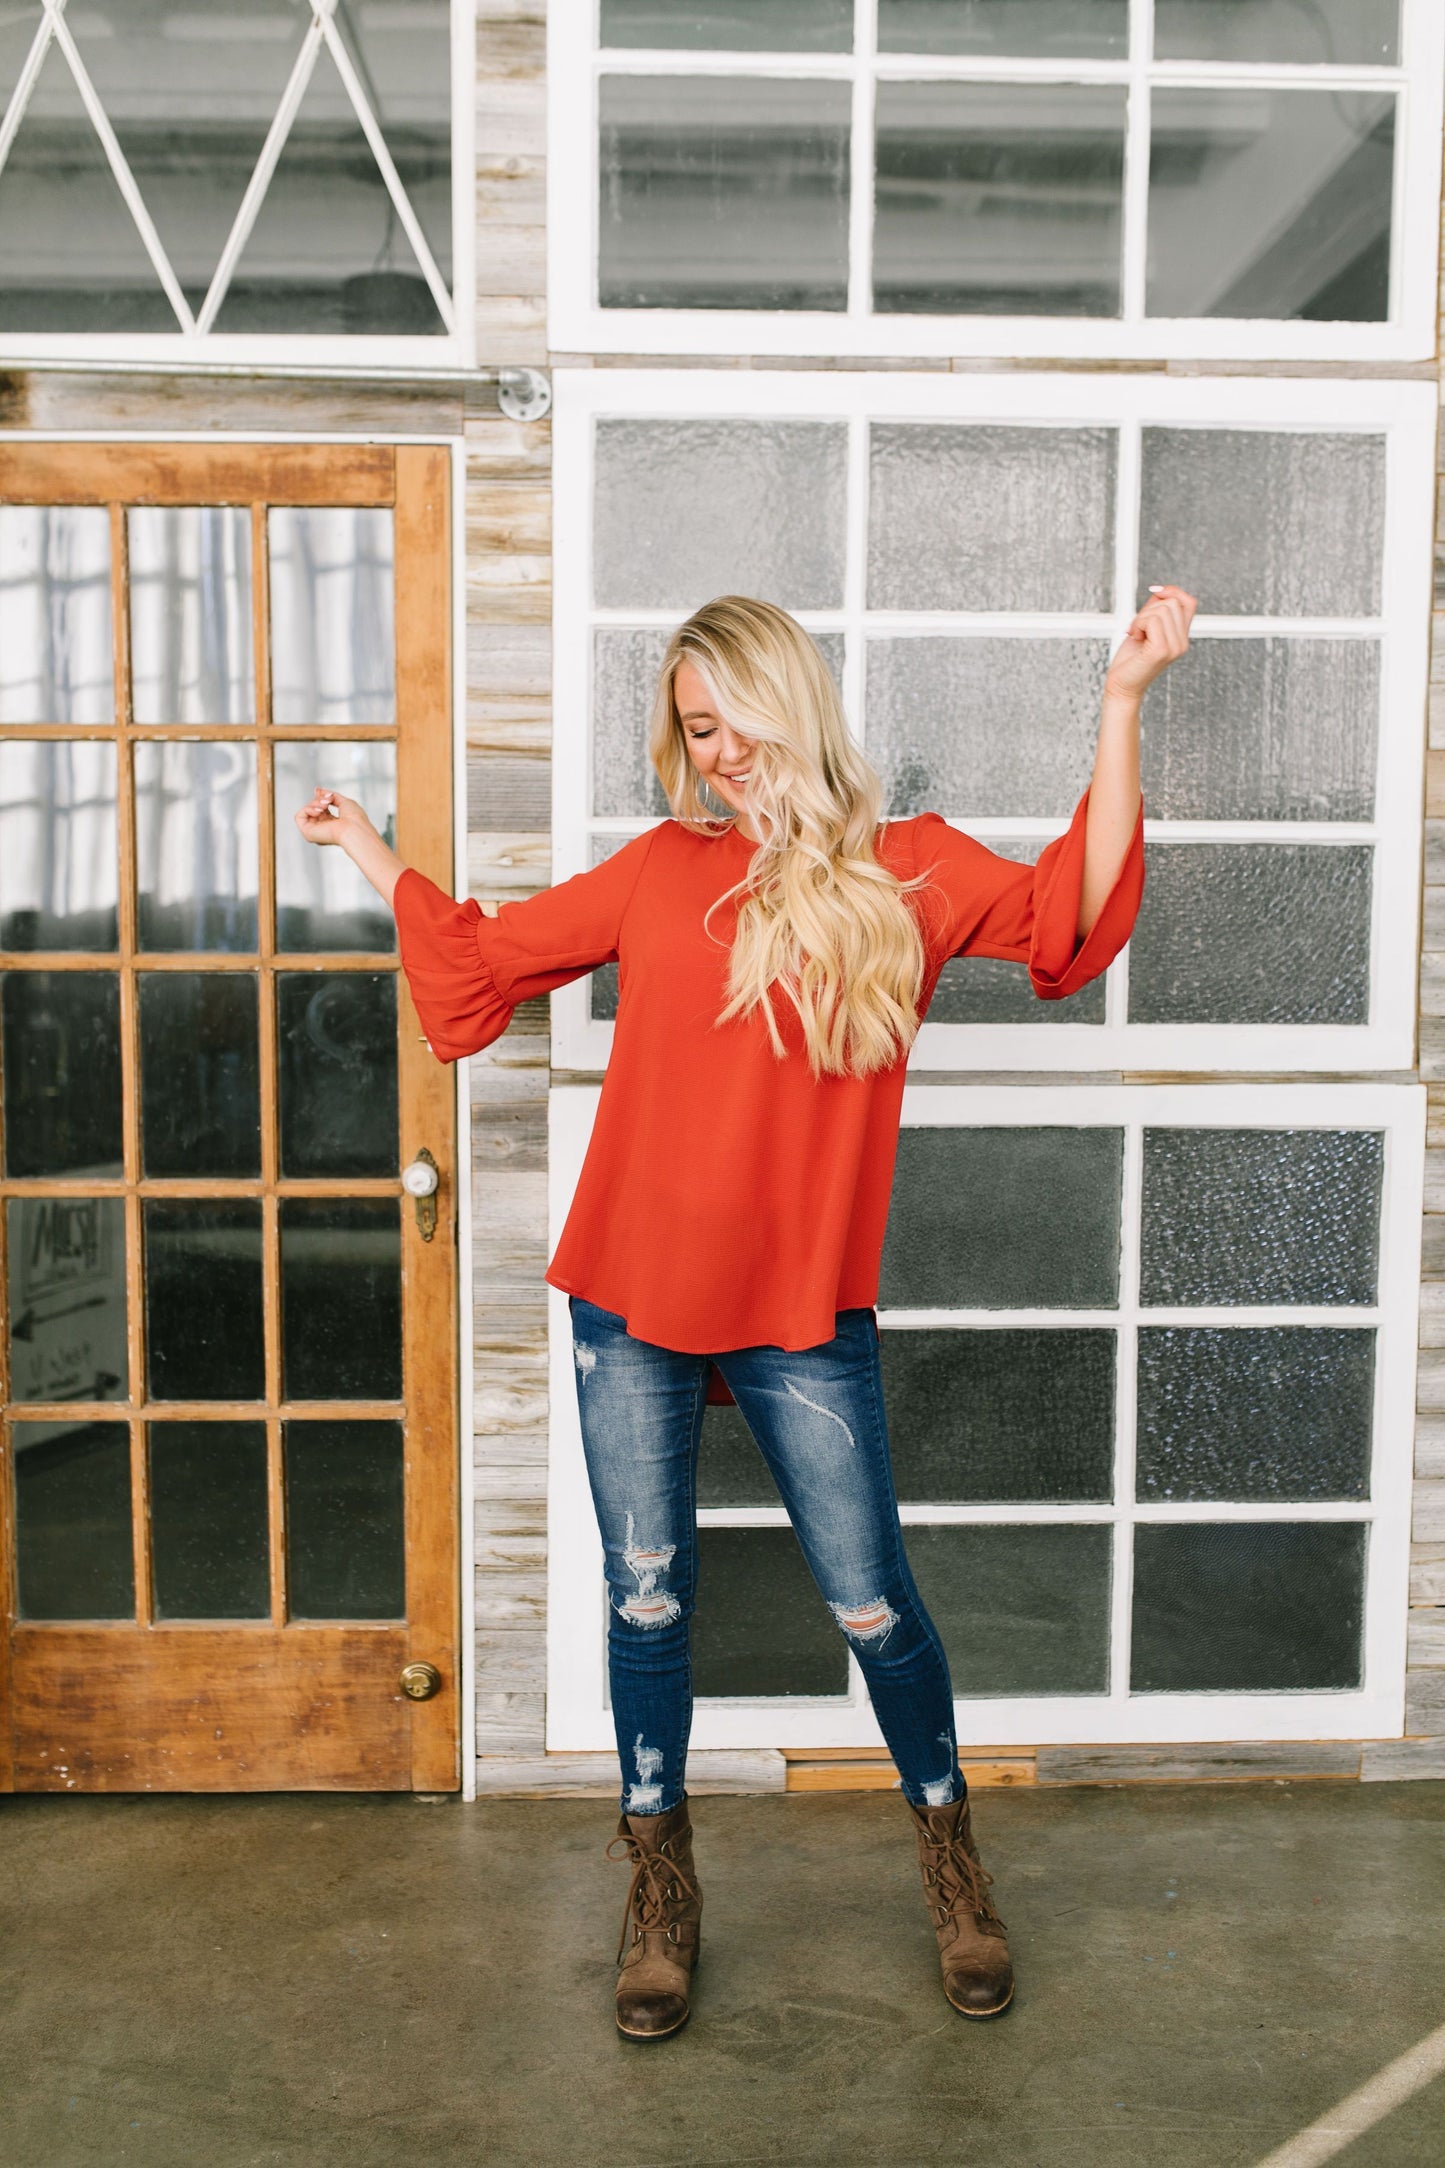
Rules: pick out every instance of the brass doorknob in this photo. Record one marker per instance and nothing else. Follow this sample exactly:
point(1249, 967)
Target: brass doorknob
point(420, 1681)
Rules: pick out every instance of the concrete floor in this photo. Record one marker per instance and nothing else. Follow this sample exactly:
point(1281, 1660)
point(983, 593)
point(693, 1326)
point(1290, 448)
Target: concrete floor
point(312, 1979)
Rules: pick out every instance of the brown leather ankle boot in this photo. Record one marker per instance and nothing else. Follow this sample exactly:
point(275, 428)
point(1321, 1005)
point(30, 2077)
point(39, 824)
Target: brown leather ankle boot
point(977, 1976)
point(660, 1928)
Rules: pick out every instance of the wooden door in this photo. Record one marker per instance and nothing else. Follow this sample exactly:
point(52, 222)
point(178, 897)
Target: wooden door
point(229, 1385)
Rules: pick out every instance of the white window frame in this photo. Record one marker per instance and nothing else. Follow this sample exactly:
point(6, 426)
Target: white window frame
point(191, 346)
point(577, 1712)
point(576, 64)
point(1403, 413)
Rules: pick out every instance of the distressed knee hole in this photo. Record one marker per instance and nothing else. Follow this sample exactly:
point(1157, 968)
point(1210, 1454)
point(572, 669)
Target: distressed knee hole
point(585, 1358)
point(873, 1621)
point(651, 1604)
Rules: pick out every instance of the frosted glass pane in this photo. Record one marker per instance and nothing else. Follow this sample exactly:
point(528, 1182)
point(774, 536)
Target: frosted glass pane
point(1253, 933)
point(59, 855)
point(1270, 203)
point(1033, 29)
point(190, 613)
point(963, 518)
point(1004, 1219)
point(624, 678)
point(985, 726)
point(1283, 1412)
point(1259, 522)
point(55, 630)
point(987, 990)
point(1252, 1607)
point(723, 192)
point(774, 495)
point(1019, 1610)
point(758, 26)
point(322, 902)
point(197, 853)
point(1260, 1216)
point(333, 641)
point(761, 1628)
point(997, 1416)
point(1323, 31)
point(998, 199)
point(1269, 730)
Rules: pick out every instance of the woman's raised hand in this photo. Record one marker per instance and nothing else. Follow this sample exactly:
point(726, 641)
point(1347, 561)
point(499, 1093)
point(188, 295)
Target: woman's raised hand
point(1158, 636)
point(330, 818)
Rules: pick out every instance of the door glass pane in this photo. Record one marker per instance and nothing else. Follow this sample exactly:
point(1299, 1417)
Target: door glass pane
point(73, 1543)
point(200, 1073)
point(204, 1330)
point(71, 256)
point(1265, 730)
point(984, 726)
point(327, 252)
point(1253, 933)
point(776, 497)
point(999, 199)
point(61, 1033)
point(66, 1269)
point(993, 1416)
point(190, 613)
point(1265, 523)
point(757, 26)
point(1285, 1412)
point(56, 652)
point(196, 849)
point(1016, 518)
point(208, 1520)
point(1033, 29)
point(336, 1047)
point(723, 193)
point(1248, 1607)
point(58, 848)
point(1272, 203)
point(1335, 31)
point(761, 1628)
point(345, 1520)
point(1004, 1219)
point(1019, 1610)
point(333, 639)
point(340, 1298)
point(1261, 1215)
point(322, 902)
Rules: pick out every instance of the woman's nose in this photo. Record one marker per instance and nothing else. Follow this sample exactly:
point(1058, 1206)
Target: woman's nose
point(733, 751)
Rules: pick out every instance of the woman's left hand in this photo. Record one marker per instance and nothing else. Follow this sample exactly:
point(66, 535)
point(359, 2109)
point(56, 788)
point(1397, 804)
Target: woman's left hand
point(1158, 636)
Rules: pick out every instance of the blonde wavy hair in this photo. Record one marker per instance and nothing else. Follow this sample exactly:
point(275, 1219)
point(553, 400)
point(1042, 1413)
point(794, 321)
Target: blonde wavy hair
point(819, 920)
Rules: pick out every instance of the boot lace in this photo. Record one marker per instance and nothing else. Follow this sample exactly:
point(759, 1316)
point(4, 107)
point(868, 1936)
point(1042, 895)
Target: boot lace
point(956, 1880)
point(658, 1883)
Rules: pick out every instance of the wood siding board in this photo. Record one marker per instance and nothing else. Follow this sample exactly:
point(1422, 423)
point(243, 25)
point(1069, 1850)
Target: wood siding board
point(1384, 1761)
point(1209, 1763)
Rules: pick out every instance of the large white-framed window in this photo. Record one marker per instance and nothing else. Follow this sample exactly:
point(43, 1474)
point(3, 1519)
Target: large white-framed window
point(1282, 763)
point(1149, 1359)
point(1126, 177)
point(267, 184)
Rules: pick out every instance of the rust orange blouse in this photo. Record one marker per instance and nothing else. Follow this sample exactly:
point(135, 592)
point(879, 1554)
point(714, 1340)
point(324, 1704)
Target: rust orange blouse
point(729, 1198)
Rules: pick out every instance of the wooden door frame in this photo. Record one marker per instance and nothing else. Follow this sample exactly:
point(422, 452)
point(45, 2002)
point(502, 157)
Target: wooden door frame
point(428, 504)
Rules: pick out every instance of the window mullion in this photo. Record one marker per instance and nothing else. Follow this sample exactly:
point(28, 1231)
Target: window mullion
point(1136, 163)
point(860, 163)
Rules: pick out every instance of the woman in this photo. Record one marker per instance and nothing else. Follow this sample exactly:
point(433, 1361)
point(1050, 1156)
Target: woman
point(778, 949)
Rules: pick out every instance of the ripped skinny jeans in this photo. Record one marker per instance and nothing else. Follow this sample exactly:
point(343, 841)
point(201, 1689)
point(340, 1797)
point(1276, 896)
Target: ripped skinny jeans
point(817, 1415)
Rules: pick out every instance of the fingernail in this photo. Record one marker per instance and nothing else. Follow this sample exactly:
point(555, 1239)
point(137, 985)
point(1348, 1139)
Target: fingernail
point(1156, 590)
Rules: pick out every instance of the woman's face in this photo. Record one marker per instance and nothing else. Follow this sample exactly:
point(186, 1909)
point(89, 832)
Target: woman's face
point(721, 757)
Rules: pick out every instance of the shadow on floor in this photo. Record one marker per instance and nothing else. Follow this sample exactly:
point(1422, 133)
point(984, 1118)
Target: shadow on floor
point(316, 1980)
